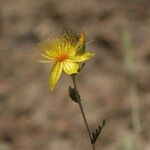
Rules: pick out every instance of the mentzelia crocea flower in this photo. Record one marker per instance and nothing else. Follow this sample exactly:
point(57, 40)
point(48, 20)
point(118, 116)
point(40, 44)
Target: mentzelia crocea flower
point(65, 51)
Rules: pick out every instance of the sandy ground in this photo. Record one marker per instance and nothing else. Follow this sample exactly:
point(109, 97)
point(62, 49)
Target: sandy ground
point(32, 117)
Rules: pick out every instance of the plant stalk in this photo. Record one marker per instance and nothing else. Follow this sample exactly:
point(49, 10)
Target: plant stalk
point(82, 111)
point(130, 67)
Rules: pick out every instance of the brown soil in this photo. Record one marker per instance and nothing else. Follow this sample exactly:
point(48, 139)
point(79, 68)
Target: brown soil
point(32, 117)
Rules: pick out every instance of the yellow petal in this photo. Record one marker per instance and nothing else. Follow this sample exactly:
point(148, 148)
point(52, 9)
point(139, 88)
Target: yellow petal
point(55, 74)
point(70, 67)
point(82, 57)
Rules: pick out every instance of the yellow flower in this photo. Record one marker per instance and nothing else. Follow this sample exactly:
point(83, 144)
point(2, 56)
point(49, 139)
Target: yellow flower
point(65, 52)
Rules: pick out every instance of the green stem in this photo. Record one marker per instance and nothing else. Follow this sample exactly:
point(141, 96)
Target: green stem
point(135, 110)
point(130, 67)
point(82, 112)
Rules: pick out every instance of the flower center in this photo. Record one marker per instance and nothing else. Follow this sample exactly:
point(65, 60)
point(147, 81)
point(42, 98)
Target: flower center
point(61, 57)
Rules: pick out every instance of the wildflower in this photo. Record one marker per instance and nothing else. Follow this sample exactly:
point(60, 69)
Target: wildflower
point(65, 52)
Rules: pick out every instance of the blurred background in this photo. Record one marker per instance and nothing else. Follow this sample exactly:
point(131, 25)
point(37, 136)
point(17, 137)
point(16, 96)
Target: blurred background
point(114, 84)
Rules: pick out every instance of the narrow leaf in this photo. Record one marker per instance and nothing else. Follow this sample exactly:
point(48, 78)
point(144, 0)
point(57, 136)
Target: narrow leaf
point(97, 132)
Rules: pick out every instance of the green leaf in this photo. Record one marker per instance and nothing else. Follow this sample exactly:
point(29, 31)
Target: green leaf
point(97, 132)
point(81, 49)
point(81, 43)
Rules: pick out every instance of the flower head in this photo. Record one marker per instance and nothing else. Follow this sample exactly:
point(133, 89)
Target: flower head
point(65, 51)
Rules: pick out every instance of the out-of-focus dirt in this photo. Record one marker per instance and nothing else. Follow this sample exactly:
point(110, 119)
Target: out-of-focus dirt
point(32, 117)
